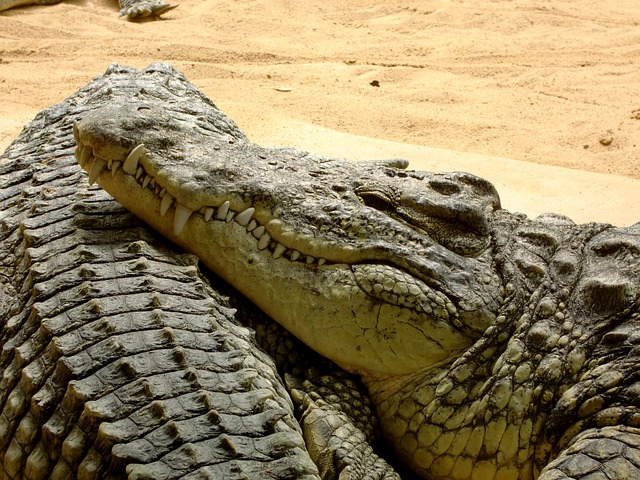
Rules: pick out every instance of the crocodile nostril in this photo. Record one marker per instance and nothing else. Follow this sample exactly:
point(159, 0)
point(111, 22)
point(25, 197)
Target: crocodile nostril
point(444, 187)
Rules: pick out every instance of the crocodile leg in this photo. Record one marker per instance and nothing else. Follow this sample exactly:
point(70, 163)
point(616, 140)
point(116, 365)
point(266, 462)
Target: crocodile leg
point(144, 8)
point(609, 453)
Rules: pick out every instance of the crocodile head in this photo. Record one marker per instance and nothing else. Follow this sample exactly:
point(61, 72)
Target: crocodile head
point(384, 270)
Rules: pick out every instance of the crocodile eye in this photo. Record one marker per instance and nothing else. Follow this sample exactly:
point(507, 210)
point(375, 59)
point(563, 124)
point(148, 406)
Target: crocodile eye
point(455, 234)
point(444, 187)
point(377, 201)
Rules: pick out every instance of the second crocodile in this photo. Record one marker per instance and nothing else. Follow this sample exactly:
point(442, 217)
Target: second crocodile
point(494, 346)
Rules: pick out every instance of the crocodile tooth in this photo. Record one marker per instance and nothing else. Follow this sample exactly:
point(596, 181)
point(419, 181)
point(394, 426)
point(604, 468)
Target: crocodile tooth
point(162, 192)
point(78, 152)
point(95, 169)
point(76, 132)
point(322, 261)
point(114, 168)
point(264, 241)
point(295, 255)
point(85, 156)
point(243, 217)
point(258, 232)
point(310, 259)
point(279, 251)
point(139, 172)
point(229, 216)
point(252, 226)
point(223, 210)
point(131, 163)
point(146, 181)
point(208, 213)
point(167, 200)
point(109, 164)
point(182, 215)
point(153, 183)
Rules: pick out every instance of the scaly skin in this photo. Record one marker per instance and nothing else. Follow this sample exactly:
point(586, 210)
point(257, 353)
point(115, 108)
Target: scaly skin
point(120, 359)
point(494, 346)
point(130, 8)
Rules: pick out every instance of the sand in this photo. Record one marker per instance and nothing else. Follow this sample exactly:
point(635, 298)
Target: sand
point(542, 98)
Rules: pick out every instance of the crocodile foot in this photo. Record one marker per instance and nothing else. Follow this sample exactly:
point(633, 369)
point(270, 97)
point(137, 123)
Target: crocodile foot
point(144, 8)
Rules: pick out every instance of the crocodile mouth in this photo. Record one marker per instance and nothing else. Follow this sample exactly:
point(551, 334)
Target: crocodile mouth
point(223, 212)
point(376, 277)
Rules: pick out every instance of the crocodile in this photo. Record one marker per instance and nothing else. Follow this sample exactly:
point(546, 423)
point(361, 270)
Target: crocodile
point(124, 358)
point(132, 9)
point(493, 346)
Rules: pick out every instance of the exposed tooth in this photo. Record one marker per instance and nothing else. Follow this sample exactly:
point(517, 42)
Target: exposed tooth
point(167, 200)
point(310, 259)
point(279, 251)
point(85, 156)
point(153, 183)
point(243, 217)
point(146, 181)
point(162, 192)
point(131, 163)
point(229, 216)
point(182, 215)
point(109, 164)
point(295, 255)
point(95, 169)
point(252, 225)
point(76, 132)
point(78, 152)
point(139, 172)
point(264, 241)
point(322, 261)
point(258, 232)
point(208, 213)
point(114, 168)
point(223, 210)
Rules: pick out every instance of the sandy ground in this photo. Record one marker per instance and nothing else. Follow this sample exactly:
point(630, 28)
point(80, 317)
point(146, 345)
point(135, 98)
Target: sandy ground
point(450, 85)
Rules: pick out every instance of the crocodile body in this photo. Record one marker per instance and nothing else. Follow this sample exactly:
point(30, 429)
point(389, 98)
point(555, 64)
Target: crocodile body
point(120, 359)
point(494, 346)
point(129, 8)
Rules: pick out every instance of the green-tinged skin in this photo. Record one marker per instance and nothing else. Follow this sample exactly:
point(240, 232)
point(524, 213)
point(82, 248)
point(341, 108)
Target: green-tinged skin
point(494, 346)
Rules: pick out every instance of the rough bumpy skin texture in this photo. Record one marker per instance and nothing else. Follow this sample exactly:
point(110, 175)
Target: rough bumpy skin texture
point(130, 8)
point(494, 346)
point(119, 359)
